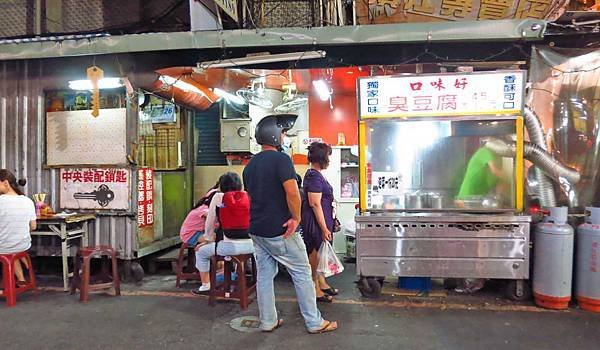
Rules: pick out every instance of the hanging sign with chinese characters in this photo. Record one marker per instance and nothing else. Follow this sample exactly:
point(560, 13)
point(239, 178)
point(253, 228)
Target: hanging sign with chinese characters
point(95, 188)
point(145, 190)
point(404, 11)
point(442, 94)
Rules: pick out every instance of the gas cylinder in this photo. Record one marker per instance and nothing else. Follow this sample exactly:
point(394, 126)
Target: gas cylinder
point(587, 273)
point(553, 260)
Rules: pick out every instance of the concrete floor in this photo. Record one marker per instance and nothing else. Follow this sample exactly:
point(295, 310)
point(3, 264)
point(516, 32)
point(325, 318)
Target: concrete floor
point(155, 315)
point(58, 321)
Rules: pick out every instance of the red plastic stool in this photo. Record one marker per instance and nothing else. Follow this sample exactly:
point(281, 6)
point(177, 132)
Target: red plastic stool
point(105, 280)
point(243, 287)
point(189, 272)
point(11, 287)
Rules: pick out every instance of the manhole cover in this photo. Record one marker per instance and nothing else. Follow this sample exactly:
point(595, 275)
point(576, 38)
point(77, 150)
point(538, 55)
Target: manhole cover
point(246, 324)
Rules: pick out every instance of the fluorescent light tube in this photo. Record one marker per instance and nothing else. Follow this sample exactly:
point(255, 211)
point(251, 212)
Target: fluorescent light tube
point(229, 97)
point(322, 89)
point(270, 58)
point(104, 83)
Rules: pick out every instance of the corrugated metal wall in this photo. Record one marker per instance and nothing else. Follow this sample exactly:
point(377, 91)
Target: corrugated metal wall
point(22, 139)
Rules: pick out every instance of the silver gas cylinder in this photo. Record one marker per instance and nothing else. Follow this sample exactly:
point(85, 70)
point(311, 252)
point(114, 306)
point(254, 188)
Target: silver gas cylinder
point(553, 260)
point(587, 273)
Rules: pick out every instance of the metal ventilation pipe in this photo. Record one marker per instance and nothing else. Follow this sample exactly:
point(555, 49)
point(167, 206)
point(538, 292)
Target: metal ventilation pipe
point(538, 157)
point(536, 135)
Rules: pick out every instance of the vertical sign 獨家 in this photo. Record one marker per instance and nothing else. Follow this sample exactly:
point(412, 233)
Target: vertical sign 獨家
point(145, 213)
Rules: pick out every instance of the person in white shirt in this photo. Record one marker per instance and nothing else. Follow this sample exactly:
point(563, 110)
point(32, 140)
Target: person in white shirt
point(17, 218)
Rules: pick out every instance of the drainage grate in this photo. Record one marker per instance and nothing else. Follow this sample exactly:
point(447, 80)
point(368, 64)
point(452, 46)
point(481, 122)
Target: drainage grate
point(246, 324)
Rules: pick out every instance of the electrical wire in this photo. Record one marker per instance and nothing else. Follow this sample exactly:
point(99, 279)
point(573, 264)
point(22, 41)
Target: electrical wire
point(576, 25)
point(425, 53)
point(292, 65)
point(545, 90)
point(166, 86)
point(569, 71)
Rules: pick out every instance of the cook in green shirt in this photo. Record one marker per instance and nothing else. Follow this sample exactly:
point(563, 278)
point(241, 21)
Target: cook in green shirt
point(482, 174)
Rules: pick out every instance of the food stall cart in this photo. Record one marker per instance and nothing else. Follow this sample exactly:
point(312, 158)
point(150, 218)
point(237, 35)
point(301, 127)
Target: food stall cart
point(131, 167)
point(435, 199)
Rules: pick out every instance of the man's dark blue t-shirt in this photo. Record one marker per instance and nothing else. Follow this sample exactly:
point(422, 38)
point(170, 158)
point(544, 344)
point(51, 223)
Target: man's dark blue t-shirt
point(263, 179)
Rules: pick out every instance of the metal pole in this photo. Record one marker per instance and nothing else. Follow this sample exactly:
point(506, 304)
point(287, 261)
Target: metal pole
point(321, 12)
point(37, 26)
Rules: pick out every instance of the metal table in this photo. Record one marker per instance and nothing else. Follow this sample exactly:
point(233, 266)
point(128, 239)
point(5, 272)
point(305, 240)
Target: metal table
point(67, 228)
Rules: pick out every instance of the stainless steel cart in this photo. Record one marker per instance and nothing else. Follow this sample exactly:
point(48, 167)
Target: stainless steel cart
point(442, 245)
point(436, 200)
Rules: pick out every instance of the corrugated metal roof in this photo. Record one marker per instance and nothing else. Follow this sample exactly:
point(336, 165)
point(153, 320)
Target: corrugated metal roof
point(501, 30)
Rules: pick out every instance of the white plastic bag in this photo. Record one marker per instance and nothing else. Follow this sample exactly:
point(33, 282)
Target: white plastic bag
point(329, 264)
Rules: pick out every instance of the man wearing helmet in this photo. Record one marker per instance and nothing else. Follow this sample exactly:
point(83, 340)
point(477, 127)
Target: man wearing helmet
point(270, 180)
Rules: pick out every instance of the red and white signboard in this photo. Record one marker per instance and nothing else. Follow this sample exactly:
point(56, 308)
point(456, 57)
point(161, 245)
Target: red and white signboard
point(145, 190)
point(95, 188)
point(442, 94)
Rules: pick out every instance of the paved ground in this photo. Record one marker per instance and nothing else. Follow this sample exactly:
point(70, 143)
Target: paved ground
point(155, 315)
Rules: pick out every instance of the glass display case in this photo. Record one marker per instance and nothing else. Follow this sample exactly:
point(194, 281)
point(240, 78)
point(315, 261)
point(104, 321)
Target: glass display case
point(440, 164)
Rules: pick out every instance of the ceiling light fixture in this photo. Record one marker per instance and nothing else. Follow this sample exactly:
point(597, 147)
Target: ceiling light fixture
point(104, 83)
point(323, 91)
point(259, 59)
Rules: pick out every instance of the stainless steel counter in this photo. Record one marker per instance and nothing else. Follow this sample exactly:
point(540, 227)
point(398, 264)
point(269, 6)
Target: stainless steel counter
point(443, 245)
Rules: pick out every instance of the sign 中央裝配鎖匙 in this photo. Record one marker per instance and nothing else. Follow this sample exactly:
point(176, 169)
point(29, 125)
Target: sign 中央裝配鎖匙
point(95, 188)
point(442, 94)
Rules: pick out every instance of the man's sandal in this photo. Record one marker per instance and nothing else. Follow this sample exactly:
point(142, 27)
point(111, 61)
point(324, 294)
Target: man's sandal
point(331, 291)
point(279, 324)
point(325, 298)
point(328, 326)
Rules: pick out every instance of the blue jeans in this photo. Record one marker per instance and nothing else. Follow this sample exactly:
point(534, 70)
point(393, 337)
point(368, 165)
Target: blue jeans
point(205, 252)
point(194, 239)
point(291, 253)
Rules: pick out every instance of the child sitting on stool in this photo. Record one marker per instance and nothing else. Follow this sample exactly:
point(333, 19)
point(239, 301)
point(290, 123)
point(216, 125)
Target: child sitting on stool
point(193, 225)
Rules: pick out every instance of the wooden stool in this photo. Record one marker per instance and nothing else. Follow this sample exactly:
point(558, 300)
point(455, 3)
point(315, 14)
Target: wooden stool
point(12, 288)
point(189, 272)
point(243, 287)
point(81, 274)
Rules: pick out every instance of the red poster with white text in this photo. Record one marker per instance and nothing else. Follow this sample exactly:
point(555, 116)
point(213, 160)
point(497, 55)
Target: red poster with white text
point(145, 187)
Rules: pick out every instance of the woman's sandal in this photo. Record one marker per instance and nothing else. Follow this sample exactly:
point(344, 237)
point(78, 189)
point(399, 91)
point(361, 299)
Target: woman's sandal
point(279, 324)
point(325, 298)
point(331, 291)
point(328, 326)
